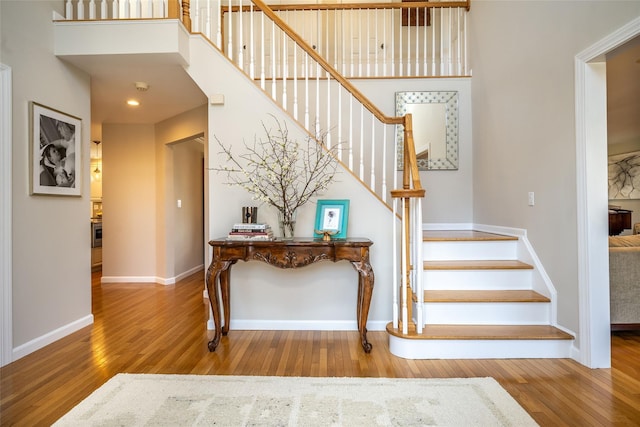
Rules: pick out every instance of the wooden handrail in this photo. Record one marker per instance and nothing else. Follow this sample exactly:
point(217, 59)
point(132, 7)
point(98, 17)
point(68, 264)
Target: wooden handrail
point(338, 6)
point(326, 66)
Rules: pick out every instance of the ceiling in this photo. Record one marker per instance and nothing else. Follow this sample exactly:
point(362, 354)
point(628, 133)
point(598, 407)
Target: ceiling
point(171, 90)
point(113, 81)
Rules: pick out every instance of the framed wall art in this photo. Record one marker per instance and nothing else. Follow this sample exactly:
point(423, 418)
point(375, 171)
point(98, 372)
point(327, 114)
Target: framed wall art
point(55, 152)
point(624, 176)
point(332, 216)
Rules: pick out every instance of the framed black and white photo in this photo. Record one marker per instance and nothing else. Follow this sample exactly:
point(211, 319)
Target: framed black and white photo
point(56, 152)
point(332, 216)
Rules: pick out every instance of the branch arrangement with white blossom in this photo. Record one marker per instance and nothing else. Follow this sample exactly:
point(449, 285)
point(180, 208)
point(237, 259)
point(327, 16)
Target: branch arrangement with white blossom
point(281, 171)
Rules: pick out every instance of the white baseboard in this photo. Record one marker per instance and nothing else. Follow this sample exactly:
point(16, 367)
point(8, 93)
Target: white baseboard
point(151, 279)
point(304, 325)
point(51, 337)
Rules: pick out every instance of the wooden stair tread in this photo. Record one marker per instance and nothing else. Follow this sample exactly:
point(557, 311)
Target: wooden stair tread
point(483, 332)
point(462, 235)
point(477, 265)
point(523, 295)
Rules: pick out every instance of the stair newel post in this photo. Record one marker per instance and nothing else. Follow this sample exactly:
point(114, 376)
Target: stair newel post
point(186, 14)
point(411, 219)
point(182, 12)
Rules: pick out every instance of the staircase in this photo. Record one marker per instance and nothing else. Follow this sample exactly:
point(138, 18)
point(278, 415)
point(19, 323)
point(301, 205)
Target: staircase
point(480, 301)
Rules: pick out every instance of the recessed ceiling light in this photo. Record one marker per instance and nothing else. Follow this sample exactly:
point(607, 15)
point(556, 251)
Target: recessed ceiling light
point(133, 102)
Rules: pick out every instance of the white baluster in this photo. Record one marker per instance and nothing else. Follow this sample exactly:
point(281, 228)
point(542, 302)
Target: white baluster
point(393, 44)
point(219, 24)
point(377, 42)
point(368, 38)
point(125, 9)
point(69, 10)
point(384, 45)
point(403, 270)
point(103, 10)
point(273, 60)
point(384, 164)
point(92, 9)
point(425, 42)
point(252, 44)
point(317, 115)
point(115, 9)
point(417, 64)
point(241, 42)
point(442, 35)
point(351, 73)
point(394, 267)
point(194, 13)
point(373, 153)
point(360, 42)
point(418, 262)
point(350, 133)
point(400, 50)
point(80, 8)
point(136, 9)
point(450, 53)
point(340, 123)
point(262, 52)
point(295, 81)
point(433, 42)
point(466, 59)
point(230, 34)
point(306, 91)
point(284, 71)
point(328, 126)
point(361, 161)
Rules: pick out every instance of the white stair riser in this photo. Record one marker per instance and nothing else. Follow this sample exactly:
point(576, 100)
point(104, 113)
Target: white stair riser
point(480, 349)
point(491, 313)
point(477, 279)
point(445, 251)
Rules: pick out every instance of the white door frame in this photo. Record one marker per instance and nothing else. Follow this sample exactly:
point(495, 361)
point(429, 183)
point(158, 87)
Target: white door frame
point(6, 326)
point(592, 197)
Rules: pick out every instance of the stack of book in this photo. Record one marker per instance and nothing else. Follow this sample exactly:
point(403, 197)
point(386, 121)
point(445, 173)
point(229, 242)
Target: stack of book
point(250, 231)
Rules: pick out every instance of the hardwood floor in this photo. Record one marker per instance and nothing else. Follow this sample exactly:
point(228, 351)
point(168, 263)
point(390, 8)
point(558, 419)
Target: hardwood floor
point(143, 328)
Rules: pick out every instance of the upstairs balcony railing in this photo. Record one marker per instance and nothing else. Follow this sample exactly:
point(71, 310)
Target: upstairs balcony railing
point(397, 39)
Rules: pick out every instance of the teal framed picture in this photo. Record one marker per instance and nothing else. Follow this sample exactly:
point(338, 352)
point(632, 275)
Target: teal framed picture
point(332, 216)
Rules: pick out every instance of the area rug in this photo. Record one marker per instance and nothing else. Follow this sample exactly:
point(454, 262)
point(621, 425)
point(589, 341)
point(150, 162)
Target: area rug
point(205, 400)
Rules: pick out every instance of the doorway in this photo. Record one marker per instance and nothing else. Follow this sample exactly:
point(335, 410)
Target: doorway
point(591, 156)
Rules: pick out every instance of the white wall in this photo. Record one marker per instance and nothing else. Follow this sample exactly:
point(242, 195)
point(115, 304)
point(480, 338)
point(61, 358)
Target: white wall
point(439, 206)
point(51, 235)
point(263, 296)
point(173, 130)
point(524, 123)
point(128, 203)
point(188, 187)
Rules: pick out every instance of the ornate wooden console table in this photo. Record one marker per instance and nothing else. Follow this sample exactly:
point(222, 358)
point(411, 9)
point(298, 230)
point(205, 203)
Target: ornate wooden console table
point(287, 254)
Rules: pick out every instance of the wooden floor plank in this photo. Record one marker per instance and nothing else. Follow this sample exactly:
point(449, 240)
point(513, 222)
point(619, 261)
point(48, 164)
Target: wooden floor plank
point(147, 329)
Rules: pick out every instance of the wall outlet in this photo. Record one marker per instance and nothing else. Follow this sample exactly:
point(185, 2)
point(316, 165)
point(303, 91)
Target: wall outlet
point(532, 198)
point(179, 203)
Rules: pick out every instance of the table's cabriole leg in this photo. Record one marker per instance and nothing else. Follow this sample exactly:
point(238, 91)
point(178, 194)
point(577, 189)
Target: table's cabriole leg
point(225, 291)
point(365, 291)
point(218, 274)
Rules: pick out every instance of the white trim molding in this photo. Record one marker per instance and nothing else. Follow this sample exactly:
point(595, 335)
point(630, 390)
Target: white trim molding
point(6, 323)
point(50, 337)
point(592, 198)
